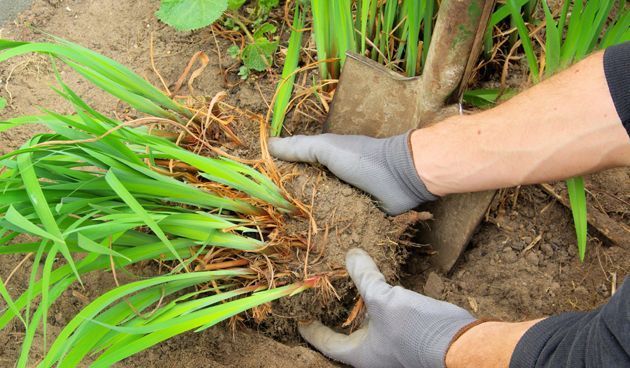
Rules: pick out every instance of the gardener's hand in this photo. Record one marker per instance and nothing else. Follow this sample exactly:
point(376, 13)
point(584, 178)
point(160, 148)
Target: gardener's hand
point(404, 329)
point(383, 168)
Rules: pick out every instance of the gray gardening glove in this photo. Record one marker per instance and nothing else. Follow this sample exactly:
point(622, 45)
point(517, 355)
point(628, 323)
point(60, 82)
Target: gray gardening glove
point(381, 167)
point(404, 329)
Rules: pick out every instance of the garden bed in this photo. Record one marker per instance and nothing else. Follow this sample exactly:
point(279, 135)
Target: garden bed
point(521, 264)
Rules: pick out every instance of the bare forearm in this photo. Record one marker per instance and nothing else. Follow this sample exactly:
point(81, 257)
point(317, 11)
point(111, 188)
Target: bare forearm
point(489, 344)
point(563, 127)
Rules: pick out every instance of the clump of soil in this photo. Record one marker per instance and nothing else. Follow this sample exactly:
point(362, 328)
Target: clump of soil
point(336, 217)
point(345, 219)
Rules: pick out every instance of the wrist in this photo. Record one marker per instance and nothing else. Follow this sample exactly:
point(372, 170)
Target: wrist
point(488, 344)
point(440, 154)
point(400, 161)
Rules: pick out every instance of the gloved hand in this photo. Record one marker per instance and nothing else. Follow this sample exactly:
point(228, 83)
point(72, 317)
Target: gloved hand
point(404, 329)
point(383, 167)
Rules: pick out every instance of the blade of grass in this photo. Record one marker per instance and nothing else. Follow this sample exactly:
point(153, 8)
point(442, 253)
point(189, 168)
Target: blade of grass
point(386, 43)
point(202, 318)
point(577, 199)
point(321, 26)
point(10, 303)
point(31, 183)
point(552, 43)
point(617, 33)
point(113, 316)
point(15, 218)
point(414, 15)
point(427, 32)
point(365, 9)
point(572, 35)
point(124, 194)
point(523, 32)
point(344, 30)
point(285, 86)
point(94, 247)
point(72, 331)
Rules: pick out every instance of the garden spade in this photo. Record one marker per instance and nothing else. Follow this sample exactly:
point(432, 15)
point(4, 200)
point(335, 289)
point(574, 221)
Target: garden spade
point(375, 101)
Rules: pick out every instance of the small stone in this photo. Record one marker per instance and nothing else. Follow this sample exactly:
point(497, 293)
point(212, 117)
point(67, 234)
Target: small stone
point(581, 290)
point(509, 256)
point(518, 245)
point(562, 254)
point(434, 287)
point(347, 191)
point(532, 258)
point(473, 304)
point(554, 286)
point(547, 249)
point(527, 239)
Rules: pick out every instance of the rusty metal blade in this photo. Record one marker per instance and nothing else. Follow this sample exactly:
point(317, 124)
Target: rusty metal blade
point(372, 100)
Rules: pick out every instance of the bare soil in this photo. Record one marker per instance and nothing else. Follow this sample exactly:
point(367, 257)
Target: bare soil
point(521, 264)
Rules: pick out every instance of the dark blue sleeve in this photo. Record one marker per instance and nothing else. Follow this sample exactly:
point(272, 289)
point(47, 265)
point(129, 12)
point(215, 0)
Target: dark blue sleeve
point(617, 71)
point(600, 338)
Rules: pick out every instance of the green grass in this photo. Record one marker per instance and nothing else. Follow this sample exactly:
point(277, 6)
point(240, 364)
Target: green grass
point(285, 86)
point(390, 32)
point(93, 191)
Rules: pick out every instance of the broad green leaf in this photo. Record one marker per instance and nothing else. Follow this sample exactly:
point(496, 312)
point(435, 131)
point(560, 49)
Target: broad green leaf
point(267, 5)
point(235, 4)
point(259, 55)
point(264, 28)
point(187, 15)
